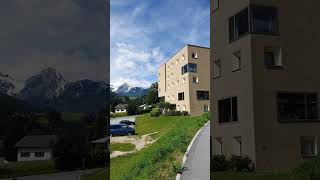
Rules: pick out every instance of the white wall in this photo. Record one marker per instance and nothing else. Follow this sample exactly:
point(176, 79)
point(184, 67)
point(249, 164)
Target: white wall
point(47, 154)
point(121, 110)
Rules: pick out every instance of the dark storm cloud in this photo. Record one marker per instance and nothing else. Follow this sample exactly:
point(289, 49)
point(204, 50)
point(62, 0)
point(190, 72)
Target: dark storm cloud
point(70, 35)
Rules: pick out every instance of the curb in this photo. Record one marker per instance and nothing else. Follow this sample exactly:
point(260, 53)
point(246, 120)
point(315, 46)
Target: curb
point(178, 176)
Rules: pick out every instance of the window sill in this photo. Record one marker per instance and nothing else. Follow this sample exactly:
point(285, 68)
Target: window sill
point(270, 67)
point(298, 121)
point(311, 156)
point(227, 123)
point(217, 77)
point(236, 70)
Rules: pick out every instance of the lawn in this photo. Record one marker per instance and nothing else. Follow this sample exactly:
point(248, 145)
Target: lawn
point(161, 160)
point(14, 169)
point(114, 115)
point(122, 147)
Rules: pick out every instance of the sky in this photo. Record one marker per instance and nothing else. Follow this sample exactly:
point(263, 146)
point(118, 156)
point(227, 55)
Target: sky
point(69, 35)
point(146, 33)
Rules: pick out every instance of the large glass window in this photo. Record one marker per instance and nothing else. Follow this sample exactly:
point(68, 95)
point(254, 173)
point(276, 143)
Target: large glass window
point(296, 106)
point(202, 95)
point(228, 110)
point(261, 19)
point(308, 146)
point(190, 67)
point(264, 20)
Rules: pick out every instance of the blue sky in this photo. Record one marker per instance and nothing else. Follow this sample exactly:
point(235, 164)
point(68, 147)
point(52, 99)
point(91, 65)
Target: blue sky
point(146, 33)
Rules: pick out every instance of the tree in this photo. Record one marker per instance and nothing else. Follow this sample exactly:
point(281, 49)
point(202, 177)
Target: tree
point(72, 147)
point(132, 109)
point(152, 96)
point(55, 121)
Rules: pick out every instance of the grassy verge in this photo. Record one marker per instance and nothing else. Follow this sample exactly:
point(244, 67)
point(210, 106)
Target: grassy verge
point(113, 115)
point(161, 160)
point(14, 169)
point(122, 147)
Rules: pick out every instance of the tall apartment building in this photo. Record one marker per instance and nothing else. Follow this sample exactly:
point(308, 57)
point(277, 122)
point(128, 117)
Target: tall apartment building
point(184, 80)
point(265, 81)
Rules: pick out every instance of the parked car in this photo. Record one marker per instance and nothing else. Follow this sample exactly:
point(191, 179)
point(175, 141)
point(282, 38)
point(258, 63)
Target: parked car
point(127, 122)
point(121, 129)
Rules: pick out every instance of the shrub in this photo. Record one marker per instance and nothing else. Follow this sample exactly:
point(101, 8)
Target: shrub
point(310, 169)
point(185, 113)
point(238, 163)
point(155, 112)
point(219, 163)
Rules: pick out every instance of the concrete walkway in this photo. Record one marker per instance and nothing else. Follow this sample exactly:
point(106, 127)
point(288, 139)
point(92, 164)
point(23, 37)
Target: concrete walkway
point(197, 165)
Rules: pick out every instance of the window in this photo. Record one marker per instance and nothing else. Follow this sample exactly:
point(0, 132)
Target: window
point(25, 154)
point(178, 108)
point(217, 145)
point(236, 61)
point(202, 95)
point(171, 75)
point(184, 107)
point(195, 79)
point(206, 108)
point(272, 57)
point(264, 20)
point(177, 61)
point(172, 97)
point(39, 154)
point(190, 67)
point(239, 25)
point(308, 146)
point(194, 55)
point(236, 143)
point(217, 68)
point(182, 58)
point(181, 96)
point(171, 65)
point(177, 83)
point(297, 106)
point(228, 110)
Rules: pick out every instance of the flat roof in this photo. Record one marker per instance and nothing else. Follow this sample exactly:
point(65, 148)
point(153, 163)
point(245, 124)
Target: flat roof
point(203, 47)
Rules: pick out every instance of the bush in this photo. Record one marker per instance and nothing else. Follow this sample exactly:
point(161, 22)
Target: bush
point(185, 113)
point(238, 163)
point(219, 163)
point(310, 169)
point(176, 113)
point(155, 112)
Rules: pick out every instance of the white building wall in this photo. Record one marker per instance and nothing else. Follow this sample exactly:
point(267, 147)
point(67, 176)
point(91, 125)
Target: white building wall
point(47, 154)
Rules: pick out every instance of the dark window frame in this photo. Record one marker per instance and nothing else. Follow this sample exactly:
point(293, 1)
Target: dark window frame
point(187, 69)
point(232, 20)
point(206, 95)
point(232, 112)
point(181, 96)
point(36, 154)
point(316, 120)
point(25, 154)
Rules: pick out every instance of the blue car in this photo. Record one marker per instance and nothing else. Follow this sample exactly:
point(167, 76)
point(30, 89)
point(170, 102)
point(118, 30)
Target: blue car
point(121, 129)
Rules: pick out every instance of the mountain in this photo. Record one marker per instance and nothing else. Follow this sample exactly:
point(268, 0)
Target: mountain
point(126, 90)
point(83, 96)
point(7, 84)
point(43, 88)
point(49, 89)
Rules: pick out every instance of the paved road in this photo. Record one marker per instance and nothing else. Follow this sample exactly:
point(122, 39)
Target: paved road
point(73, 175)
point(118, 119)
point(197, 166)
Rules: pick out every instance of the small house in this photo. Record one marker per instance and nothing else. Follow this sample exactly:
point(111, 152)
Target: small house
point(33, 148)
point(121, 108)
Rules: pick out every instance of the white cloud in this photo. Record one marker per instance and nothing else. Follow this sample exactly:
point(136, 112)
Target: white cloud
point(131, 82)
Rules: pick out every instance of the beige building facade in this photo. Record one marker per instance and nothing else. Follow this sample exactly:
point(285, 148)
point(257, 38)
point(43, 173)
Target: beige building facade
point(266, 81)
point(184, 80)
